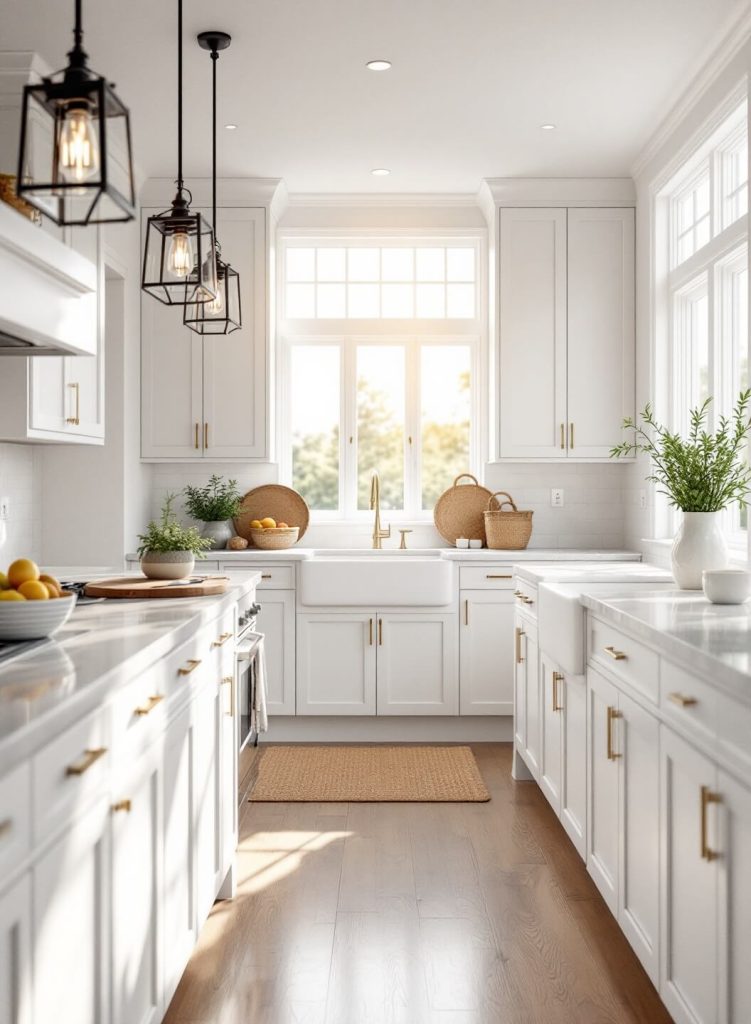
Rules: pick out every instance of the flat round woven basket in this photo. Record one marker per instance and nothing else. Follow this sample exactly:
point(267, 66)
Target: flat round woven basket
point(506, 530)
point(459, 510)
point(281, 503)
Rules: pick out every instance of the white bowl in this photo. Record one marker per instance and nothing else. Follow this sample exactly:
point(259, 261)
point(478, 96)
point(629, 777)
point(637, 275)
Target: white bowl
point(34, 620)
point(726, 586)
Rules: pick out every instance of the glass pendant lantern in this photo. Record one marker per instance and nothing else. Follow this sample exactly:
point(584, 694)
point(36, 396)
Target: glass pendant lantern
point(75, 162)
point(221, 315)
point(179, 260)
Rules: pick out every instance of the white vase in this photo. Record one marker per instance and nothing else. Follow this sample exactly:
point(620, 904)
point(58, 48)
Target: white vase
point(699, 544)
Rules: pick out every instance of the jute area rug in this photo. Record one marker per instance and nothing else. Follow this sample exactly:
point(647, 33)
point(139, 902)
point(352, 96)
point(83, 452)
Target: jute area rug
point(372, 773)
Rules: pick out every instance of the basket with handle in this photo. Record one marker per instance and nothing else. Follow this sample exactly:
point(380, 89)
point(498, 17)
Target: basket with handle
point(506, 529)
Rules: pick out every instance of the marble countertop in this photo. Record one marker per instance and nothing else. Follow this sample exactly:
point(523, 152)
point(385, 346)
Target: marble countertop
point(248, 554)
point(712, 641)
point(102, 646)
point(453, 554)
point(594, 572)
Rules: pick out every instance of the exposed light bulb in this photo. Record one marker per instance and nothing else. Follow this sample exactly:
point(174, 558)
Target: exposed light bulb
point(78, 151)
point(216, 306)
point(180, 254)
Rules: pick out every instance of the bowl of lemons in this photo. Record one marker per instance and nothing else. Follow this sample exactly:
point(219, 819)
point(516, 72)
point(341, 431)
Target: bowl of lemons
point(269, 535)
point(33, 605)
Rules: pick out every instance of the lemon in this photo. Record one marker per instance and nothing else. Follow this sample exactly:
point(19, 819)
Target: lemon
point(3, 581)
point(11, 595)
point(256, 524)
point(268, 523)
point(34, 590)
point(22, 571)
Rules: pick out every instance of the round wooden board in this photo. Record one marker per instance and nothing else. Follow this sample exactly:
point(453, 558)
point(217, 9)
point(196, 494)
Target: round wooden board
point(138, 587)
point(282, 503)
point(458, 511)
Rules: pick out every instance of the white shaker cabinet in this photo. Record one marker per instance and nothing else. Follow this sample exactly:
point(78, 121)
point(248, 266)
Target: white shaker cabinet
point(336, 663)
point(276, 620)
point(486, 652)
point(551, 726)
point(206, 795)
point(417, 664)
point(205, 397)
point(734, 939)
point(602, 816)
point(15, 953)
point(527, 693)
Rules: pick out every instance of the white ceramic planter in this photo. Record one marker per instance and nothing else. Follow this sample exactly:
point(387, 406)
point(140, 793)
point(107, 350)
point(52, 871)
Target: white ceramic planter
point(167, 565)
point(699, 545)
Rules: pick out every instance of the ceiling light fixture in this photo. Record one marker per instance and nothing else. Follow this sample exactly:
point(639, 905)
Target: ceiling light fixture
point(179, 263)
point(548, 127)
point(380, 172)
point(378, 65)
point(222, 315)
point(70, 124)
point(231, 127)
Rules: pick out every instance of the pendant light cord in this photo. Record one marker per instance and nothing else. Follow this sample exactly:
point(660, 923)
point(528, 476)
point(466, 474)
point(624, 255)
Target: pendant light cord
point(179, 94)
point(78, 31)
point(214, 59)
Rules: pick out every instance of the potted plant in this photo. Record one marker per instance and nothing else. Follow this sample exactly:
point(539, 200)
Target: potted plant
point(214, 505)
point(701, 475)
point(167, 549)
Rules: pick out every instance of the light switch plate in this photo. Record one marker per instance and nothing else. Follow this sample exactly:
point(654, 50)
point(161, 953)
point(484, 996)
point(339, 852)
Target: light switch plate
point(556, 497)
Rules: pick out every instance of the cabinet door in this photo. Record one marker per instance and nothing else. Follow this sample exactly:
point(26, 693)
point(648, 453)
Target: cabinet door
point(171, 383)
point(533, 738)
point(276, 620)
point(84, 375)
point(15, 953)
point(206, 781)
point(336, 664)
point(600, 328)
point(417, 664)
point(136, 883)
point(551, 728)
point(50, 404)
point(572, 693)
point(735, 906)
point(228, 758)
point(688, 883)
point(638, 749)
point(602, 816)
point(178, 841)
point(486, 652)
point(532, 324)
point(70, 924)
point(520, 685)
point(234, 365)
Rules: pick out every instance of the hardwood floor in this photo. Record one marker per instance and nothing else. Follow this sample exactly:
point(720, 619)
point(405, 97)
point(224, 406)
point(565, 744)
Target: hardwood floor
point(414, 914)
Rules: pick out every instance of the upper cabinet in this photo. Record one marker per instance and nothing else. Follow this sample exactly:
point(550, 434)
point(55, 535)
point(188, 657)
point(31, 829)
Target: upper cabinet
point(205, 397)
point(566, 326)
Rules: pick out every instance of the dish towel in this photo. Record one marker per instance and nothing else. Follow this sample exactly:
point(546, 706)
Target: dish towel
point(260, 718)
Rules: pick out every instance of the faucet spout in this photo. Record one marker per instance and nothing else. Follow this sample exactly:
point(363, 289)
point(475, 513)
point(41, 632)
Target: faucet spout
point(375, 504)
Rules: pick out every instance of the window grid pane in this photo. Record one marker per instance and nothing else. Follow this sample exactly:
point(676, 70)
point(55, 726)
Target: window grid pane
point(314, 402)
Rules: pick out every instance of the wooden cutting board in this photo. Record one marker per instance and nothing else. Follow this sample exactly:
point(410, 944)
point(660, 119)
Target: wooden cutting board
point(133, 586)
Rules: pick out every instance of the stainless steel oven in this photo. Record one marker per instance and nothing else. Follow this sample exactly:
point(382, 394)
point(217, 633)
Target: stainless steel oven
point(247, 652)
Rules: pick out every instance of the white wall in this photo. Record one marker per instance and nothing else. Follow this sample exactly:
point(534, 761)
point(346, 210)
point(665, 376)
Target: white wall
point(20, 482)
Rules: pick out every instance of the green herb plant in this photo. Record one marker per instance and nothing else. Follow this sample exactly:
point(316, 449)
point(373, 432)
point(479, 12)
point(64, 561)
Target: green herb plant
point(218, 500)
point(703, 472)
point(169, 535)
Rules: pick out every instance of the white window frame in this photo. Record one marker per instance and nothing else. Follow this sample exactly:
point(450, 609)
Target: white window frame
point(410, 333)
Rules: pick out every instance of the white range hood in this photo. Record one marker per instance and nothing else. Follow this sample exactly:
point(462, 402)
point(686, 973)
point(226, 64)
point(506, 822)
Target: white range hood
point(48, 300)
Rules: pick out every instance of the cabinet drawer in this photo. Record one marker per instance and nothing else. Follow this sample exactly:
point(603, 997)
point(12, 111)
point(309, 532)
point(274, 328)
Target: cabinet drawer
point(625, 658)
point(140, 708)
point(15, 818)
point(273, 577)
point(688, 702)
point(190, 663)
point(486, 577)
point(733, 731)
point(69, 772)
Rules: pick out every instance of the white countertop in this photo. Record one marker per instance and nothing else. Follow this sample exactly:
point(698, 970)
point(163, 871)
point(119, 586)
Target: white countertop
point(594, 572)
point(453, 554)
point(101, 646)
point(712, 641)
point(254, 554)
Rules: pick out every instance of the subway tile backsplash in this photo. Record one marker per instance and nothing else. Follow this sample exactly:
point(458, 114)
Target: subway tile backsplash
point(20, 535)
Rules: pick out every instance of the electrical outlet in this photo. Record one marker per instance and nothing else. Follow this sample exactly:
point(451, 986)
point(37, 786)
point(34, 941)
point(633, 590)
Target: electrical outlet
point(4, 508)
point(556, 497)
point(642, 499)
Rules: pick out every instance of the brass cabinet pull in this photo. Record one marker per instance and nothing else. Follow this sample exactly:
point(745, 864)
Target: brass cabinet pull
point(89, 758)
point(151, 703)
point(206, 435)
point(707, 798)
point(228, 681)
point(190, 666)
point(614, 654)
point(681, 701)
point(6, 827)
point(495, 576)
point(380, 632)
point(527, 600)
point(222, 639)
point(557, 678)
point(466, 613)
point(563, 442)
point(76, 419)
point(519, 634)
point(265, 575)
point(370, 632)
point(571, 436)
point(196, 438)
point(123, 805)
point(612, 715)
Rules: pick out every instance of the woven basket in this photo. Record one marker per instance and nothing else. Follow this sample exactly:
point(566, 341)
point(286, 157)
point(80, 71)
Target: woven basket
point(275, 539)
point(506, 530)
point(458, 511)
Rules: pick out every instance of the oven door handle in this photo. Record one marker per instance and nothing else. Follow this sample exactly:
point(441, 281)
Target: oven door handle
point(247, 648)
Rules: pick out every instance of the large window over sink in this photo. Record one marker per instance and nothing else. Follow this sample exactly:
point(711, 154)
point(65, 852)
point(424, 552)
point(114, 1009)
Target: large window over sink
point(379, 350)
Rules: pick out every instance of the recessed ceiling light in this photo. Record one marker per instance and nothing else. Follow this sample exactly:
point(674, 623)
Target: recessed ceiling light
point(230, 127)
point(380, 172)
point(548, 127)
point(378, 65)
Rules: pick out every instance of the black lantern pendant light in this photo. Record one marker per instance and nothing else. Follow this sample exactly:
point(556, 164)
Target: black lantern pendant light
point(75, 163)
point(179, 264)
point(222, 315)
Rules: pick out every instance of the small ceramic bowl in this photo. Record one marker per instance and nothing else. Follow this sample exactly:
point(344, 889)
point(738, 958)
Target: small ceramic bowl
point(726, 586)
point(474, 544)
point(462, 542)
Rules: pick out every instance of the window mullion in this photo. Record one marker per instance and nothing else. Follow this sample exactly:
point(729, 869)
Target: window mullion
point(412, 489)
point(348, 476)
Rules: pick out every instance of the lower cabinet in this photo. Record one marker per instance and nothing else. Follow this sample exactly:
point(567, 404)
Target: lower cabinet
point(336, 664)
point(417, 665)
point(551, 726)
point(206, 792)
point(15, 954)
point(734, 938)
point(527, 693)
point(486, 679)
point(276, 620)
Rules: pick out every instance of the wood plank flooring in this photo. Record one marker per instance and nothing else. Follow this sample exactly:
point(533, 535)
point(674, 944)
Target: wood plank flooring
point(414, 914)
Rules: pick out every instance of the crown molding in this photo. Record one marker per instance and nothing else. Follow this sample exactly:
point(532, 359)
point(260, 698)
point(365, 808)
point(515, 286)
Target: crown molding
point(383, 199)
point(229, 191)
point(560, 191)
point(720, 54)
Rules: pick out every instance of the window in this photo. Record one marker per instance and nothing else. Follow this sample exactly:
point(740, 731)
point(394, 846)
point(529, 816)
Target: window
point(706, 296)
point(379, 345)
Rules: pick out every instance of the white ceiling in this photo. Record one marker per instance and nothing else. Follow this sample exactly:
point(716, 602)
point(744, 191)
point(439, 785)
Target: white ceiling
point(471, 82)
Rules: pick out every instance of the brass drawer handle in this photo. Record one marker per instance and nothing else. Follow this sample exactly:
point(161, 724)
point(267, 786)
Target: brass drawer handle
point(380, 632)
point(265, 575)
point(519, 634)
point(491, 576)
point(681, 701)
point(123, 805)
point(707, 798)
point(571, 436)
point(370, 632)
point(190, 666)
point(6, 827)
point(148, 707)
point(222, 639)
point(466, 613)
point(76, 419)
point(614, 654)
point(612, 715)
point(206, 435)
point(557, 678)
point(563, 442)
point(228, 681)
point(89, 758)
